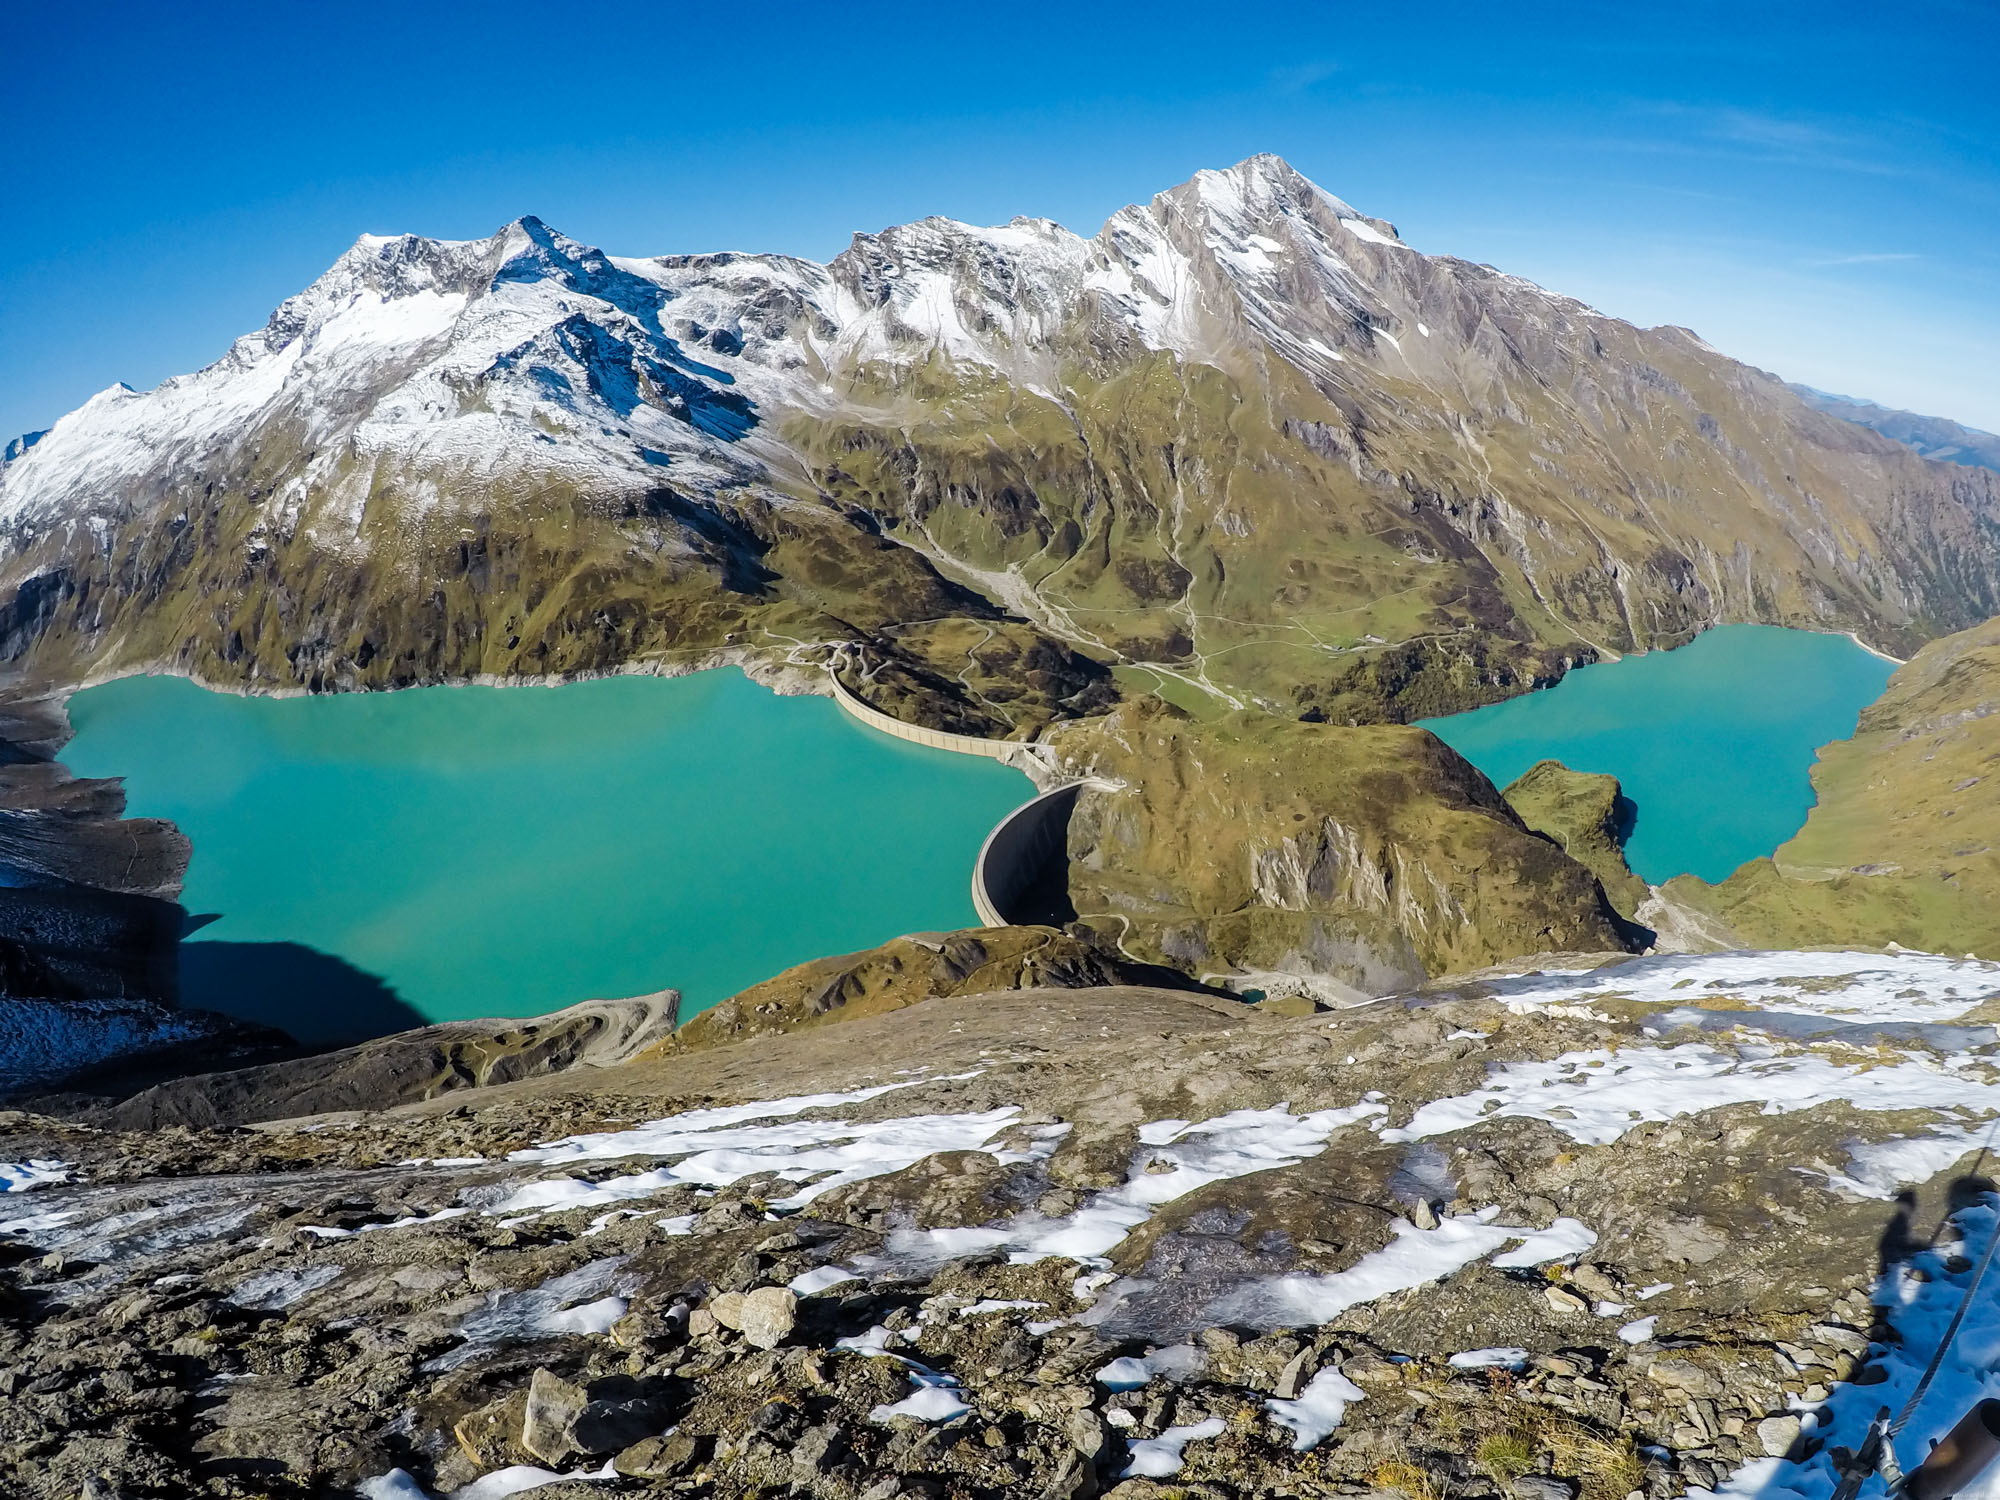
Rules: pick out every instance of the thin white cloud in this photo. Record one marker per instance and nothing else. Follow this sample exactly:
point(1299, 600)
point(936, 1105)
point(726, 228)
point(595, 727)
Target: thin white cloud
point(1847, 145)
point(1775, 131)
point(1299, 77)
point(1870, 258)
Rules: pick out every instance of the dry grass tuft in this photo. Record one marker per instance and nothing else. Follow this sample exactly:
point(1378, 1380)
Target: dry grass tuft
point(1408, 1478)
point(1606, 1468)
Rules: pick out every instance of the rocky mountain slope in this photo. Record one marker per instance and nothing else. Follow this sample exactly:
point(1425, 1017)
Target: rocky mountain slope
point(1934, 437)
point(1567, 1235)
point(1903, 845)
point(1335, 860)
point(1243, 445)
point(1590, 817)
point(905, 971)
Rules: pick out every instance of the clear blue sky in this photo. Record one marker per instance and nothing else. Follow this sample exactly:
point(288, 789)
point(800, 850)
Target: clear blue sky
point(1813, 188)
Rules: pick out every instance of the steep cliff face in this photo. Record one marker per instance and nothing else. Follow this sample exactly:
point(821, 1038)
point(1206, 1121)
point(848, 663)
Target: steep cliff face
point(1346, 861)
point(88, 897)
point(1904, 843)
point(1243, 445)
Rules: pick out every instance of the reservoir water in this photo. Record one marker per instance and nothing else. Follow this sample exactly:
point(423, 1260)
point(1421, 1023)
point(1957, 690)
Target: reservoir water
point(1714, 742)
point(372, 861)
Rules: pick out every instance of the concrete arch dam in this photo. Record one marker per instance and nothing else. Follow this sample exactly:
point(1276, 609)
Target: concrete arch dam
point(1022, 873)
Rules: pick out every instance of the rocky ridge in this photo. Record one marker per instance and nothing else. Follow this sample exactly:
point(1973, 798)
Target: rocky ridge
point(1934, 437)
point(906, 971)
point(1574, 1233)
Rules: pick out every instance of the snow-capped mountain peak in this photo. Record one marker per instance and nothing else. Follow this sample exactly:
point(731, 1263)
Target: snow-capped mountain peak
point(427, 369)
point(522, 454)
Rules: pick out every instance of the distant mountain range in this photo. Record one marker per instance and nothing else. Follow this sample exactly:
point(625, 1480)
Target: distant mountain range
point(1934, 437)
point(1244, 446)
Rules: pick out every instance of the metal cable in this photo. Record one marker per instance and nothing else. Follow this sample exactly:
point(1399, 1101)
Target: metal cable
point(1964, 1305)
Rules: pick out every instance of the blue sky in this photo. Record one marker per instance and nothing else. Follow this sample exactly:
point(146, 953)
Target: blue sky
point(1813, 188)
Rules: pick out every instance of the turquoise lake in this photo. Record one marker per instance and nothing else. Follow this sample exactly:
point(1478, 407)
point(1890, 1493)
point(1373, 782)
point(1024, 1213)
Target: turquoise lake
point(1714, 742)
point(376, 860)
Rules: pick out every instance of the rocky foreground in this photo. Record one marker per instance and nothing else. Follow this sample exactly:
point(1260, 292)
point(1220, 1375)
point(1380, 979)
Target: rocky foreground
point(1592, 1233)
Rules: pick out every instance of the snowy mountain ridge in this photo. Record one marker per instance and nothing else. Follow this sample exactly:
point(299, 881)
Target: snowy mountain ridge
point(1243, 436)
point(530, 350)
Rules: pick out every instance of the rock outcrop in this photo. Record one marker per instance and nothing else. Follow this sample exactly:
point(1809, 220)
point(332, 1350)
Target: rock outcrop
point(904, 971)
point(1589, 816)
point(88, 897)
point(1351, 861)
point(380, 1074)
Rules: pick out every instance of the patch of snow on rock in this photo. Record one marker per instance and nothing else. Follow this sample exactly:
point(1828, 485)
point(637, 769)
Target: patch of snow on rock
point(1361, 229)
point(1317, 1411)
point(1160, 1457)
point(516, 1479)
point(1175, 1157)
point(1415, 1257)
point(819, 1154)
point(42, 1041)
point(21, 1176)
point(1176, 1362)
point(1853, 987)
point(1490, 1359)
point(1595, 1097)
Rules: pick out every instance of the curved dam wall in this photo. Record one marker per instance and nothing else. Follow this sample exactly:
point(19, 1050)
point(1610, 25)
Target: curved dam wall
point(1018, 875)
point(916, 734)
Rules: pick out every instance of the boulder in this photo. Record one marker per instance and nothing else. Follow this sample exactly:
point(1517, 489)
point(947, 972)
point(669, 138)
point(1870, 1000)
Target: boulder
point(1777, 1434)
point(548, 1424)
point(490, 1435)
point(767, 1315)
point(660, 1457)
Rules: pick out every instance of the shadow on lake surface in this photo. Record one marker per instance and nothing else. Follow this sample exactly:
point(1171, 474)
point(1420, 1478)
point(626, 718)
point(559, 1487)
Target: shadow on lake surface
point(1624, 819)
point(313, 997)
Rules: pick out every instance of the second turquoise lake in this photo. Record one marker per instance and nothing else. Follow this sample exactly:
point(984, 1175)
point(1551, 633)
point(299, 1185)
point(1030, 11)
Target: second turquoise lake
point(1714, 742)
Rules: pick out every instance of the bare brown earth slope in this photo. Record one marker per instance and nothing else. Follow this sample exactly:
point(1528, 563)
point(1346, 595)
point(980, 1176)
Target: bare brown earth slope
point(1244, 445)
